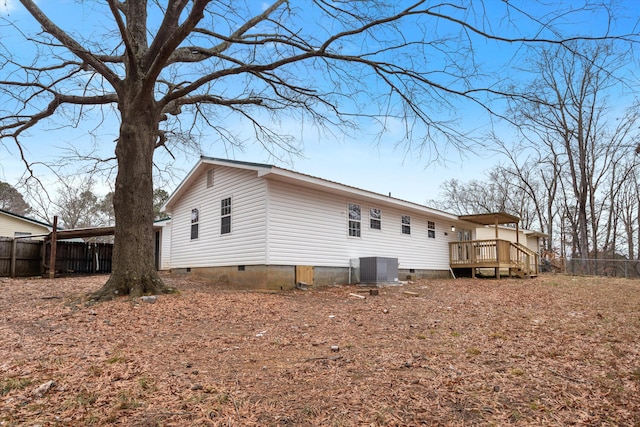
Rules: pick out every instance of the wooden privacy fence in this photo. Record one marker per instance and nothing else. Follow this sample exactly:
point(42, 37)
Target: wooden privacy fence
point(80, 258)
point(25, 257)
point(20, 257)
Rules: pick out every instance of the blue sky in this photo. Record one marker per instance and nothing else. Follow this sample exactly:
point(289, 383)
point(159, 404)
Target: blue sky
point(360, 159)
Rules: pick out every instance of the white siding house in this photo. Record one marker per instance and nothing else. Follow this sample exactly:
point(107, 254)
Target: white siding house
point(14, 225)
point(260, 225)
point(162, 230)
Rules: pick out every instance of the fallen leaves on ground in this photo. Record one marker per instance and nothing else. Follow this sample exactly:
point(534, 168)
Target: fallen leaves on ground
point(555, 350)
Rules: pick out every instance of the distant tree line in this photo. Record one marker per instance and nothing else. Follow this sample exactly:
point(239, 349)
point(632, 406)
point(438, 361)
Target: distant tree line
point(75, 203)
point(572, 171)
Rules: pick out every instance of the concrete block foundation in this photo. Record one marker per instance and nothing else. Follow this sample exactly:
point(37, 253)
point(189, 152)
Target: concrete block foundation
point(283, 277)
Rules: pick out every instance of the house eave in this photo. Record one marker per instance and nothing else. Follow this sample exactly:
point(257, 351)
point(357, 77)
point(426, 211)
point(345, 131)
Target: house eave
point(274, 173)
point(29, 220)
point(308, 181)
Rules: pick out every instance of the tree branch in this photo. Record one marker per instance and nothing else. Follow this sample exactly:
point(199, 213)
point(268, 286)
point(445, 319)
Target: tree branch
point(71, 44)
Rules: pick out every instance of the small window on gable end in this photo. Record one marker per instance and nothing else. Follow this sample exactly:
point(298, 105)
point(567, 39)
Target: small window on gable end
point(406, 224)
point(225, 216)
point(195, 220)
point(375, 219)
point(431, 229)
point(210, 178)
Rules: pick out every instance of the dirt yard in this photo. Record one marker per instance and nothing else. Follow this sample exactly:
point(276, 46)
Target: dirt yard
point(550, 351)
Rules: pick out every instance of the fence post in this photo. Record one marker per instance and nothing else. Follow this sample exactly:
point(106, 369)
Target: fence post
point(94, 258)
point(54, 243)
point(14, 248)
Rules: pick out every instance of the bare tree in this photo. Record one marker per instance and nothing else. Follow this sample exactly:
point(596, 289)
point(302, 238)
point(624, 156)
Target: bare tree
point(567, 116)
point(11, 200)
point(76, 204)
point(501, 191)
point(169, 70)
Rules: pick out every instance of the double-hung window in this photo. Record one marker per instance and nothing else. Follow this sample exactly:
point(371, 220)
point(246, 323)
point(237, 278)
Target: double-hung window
point(195, 220)
point(406, 224)
point(225, 216)
point(355, 217)
point(375, 219)
point(431, 229)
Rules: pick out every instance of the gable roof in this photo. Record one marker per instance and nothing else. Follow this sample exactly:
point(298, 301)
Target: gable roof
point(276, 173)
point(25, 219)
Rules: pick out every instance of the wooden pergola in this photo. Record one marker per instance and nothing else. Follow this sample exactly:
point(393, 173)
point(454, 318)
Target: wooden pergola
point(496, 219)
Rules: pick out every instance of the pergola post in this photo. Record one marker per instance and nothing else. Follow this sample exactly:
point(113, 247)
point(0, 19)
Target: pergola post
point(497, 251)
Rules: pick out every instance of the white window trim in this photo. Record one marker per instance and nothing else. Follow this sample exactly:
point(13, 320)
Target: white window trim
point(402, 225)
point(375, 219)
point(431, 230)
point(229, 215)
point(349, 220)
point(191, 224)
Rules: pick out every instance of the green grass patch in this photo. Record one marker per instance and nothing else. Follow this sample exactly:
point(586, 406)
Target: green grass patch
point(517, 372)
point(126, 400)
point(116, 358)
point(473, 351)
point(13, 384)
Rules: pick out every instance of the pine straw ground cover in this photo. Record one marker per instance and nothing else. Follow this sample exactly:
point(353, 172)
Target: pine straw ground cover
point(550, 351)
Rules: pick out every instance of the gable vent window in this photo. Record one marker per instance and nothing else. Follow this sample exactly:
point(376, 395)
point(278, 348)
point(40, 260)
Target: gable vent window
point(375, 218)
point(355, 217)
point(225, 216)
point(195, 219)
point(431, 229)
point(406, 224)
point(210, 178)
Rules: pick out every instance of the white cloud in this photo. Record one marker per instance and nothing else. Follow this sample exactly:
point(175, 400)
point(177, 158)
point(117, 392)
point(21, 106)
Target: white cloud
point(7, 6)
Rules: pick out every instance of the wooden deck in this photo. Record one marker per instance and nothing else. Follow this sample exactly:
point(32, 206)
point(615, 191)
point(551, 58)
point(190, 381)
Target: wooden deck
point(497, 254)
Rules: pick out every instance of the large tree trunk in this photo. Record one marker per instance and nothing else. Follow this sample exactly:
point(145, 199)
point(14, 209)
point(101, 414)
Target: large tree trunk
point(133, 271)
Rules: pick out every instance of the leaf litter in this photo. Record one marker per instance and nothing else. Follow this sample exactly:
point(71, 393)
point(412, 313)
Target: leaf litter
point(555, 350)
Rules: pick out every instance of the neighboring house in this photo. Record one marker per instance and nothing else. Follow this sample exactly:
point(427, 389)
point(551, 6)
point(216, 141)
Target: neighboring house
point(530, 239)
point(259, 225)
point(14, 225)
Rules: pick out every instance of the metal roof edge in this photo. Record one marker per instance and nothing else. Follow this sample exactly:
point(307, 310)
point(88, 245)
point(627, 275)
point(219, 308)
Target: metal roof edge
point(24, 218)
point(275, 170)
point(236, 162)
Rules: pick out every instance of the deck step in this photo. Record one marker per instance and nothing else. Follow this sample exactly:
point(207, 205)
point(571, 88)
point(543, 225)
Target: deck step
point(522, 273)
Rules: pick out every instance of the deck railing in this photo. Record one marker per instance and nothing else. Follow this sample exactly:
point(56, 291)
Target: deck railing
point(525, 258)
point(493, 253)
